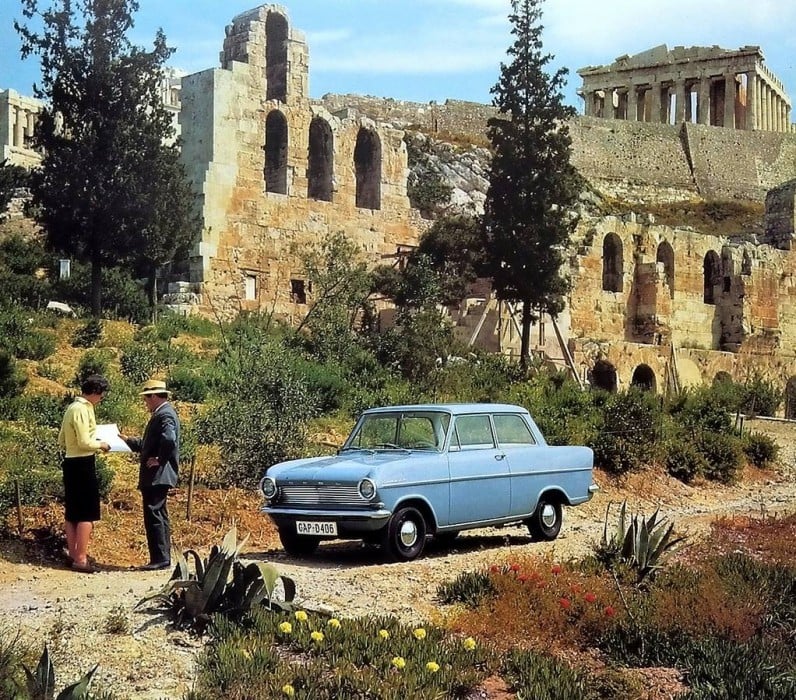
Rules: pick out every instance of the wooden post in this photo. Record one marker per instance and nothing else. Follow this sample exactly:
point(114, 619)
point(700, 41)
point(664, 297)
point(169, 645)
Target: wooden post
point(190, 489)
point(19, 507)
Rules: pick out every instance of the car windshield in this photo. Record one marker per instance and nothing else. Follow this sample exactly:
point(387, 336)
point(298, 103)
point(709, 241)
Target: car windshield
point(402, 430)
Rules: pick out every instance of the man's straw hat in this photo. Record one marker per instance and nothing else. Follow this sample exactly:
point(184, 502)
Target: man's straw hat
point(154, 386)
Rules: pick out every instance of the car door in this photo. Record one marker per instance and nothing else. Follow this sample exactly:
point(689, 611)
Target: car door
point(479, 473)
point(523, 456)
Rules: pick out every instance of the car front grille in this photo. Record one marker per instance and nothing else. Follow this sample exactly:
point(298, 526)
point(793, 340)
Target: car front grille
point(320, 495)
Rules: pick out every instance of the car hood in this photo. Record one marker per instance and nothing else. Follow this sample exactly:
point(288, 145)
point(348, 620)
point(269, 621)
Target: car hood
point(348, 467)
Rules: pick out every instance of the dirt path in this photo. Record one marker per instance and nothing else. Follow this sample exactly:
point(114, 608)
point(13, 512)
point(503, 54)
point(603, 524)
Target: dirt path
point(69, 611)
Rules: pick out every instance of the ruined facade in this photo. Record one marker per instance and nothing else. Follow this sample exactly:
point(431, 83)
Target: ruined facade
point(699, 85)
point(18, 115)
point(277, 172)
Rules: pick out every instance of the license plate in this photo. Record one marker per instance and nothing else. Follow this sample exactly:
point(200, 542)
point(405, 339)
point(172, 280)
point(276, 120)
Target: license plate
point(313, 527)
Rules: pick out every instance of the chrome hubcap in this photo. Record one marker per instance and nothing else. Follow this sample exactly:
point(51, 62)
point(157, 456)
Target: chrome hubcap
point(548, 515)
point(408, 533)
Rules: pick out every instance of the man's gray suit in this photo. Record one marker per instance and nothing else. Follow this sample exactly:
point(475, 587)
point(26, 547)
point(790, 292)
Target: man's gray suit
point(161, 440)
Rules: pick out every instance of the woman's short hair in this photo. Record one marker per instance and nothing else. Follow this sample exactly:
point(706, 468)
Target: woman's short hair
point(94, 384)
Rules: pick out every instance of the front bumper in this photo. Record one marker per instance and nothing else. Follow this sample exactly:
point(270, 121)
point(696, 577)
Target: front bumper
point(349, 522)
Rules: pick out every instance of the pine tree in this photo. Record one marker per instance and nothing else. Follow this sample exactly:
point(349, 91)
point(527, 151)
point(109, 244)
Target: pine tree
point(529, 210)
point(102, 132)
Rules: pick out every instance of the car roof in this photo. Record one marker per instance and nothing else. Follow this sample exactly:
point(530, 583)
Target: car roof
point(452, 408)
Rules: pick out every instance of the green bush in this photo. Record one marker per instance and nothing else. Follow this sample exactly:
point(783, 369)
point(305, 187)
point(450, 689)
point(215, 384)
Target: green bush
point(187, 385)
point(20, 336)
point(93, 361)
point(12, 378)
point(705, 408)
point(534, 675)
point(683, 460)
point(760, 449)
point(41, 409)
point(723, 456)
point(89, 335)
point(139, 361)
point(469, 588)
point(760, 397)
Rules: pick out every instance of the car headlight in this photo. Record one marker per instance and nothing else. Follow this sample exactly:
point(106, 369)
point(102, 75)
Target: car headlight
point(367, 489)
point(268, 487)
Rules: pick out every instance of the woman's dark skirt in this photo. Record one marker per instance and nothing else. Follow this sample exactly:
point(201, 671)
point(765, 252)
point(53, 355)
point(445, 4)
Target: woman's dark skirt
point(81, 490)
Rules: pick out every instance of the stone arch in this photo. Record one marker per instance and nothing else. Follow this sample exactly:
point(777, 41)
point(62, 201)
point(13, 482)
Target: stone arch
point(276, 41)
point(711, 269)
point(276, 152)
point(665, 255)
point(320, 162)
point(367, 162)
point(603, 376)
point(644, 378)
point(612, 263)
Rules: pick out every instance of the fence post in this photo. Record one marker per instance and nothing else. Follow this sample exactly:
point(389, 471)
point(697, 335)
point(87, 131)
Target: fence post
point(190, 489)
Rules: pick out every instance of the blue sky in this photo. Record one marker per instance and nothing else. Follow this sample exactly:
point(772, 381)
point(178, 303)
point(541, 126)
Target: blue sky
point(425, 50)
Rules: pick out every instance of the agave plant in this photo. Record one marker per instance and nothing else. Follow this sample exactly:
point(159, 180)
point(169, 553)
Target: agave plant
point(220, 584)
point(642, 544)
point(41, 681)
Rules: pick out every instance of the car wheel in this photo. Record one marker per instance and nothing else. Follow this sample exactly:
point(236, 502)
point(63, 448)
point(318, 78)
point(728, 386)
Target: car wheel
point(545, 523)
point(405, 535)
point(297, 545)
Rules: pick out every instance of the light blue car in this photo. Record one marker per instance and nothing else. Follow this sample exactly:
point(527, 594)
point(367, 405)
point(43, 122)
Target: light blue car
point(407, 472)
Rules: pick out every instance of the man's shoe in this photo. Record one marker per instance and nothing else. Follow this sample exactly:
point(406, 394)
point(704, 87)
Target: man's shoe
point(156, 566)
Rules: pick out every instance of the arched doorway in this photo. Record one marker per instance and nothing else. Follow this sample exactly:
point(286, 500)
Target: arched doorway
point(665, 255)
point(790, 399)
point(367, 162)
point(644, 379)
point(276, 153)
point(603, 376)
point(613, 263)
point(320, 164)
point(276, 40)
point(711, 269)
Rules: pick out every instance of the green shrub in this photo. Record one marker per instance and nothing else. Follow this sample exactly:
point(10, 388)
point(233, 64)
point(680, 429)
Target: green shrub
point(93, 361)
point(534, 675)
point(89, 335)
point(20, 336)
point(139, 361)
point(683, 460)
point(12, 378)
point(760, 397)
point(187, 385)
point(469, 588)
point(41, 409)
point(760, 449)
point(723, 456)
point(706, 409)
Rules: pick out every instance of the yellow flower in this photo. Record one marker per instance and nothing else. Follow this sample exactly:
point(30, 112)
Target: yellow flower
point(246, 654)
point(288, 690)
point(419, 633)
point(398, 662)
point(384, 634)
point(334, 622)
point(301, 616)
point(469, 643)
point(285, 628)
point(432, 667)
point(317, 637)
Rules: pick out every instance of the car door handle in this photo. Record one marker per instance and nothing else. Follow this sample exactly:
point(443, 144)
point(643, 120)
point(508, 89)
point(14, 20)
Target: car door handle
point(500, 456)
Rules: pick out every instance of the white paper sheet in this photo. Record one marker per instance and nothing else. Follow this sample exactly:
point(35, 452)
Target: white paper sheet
point(109, 432)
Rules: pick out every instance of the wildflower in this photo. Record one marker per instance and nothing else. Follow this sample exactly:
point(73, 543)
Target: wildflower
point(317, 637)
point(288, 690)
point(494, 568)
point(575, 588)
point(590, 597)
point(432, 667)
point(301, 616)
point(285, 628)
point(515, 568)
point(246, 654)
point(469, 643)
point(564, 603)
point(419, 633)
point(609, 611)
point(334, 623)
point(556, 569)
point(384, 634)
point(522, 578)
point(398, 662)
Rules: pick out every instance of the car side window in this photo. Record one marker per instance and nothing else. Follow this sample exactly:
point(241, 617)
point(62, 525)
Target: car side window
point(474, 432)
point(512, 430)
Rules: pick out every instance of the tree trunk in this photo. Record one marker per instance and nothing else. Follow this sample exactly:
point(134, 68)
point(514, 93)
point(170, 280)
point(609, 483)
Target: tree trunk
point(152, 292)
point(525, 345)
point(96, 288)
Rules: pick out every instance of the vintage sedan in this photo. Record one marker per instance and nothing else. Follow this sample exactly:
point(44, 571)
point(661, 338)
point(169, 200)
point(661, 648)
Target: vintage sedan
point(408, 472)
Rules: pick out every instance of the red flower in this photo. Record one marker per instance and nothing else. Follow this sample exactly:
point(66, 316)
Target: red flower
point(564, 603)
point(494, 568)
point(515, 568)
point(556, 569)
point(590, 597)
point(609, 611)
point(575, 588)
point(522, 577)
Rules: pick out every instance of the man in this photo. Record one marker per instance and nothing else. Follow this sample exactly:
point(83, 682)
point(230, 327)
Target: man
point(77, 438)
point(159, 465)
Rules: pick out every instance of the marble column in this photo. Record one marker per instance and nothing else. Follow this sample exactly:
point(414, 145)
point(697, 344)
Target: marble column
point(608, 105)
point(31, 125)
point(20, 121)
point(703, 101)
point(680, 97)
point(729, 100)
point(751, 101)
point(655, 103)
point(632, 103)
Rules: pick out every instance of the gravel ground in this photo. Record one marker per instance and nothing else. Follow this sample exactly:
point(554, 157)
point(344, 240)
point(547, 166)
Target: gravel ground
point(70, 611)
